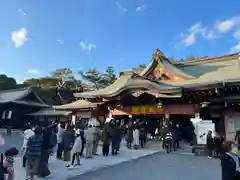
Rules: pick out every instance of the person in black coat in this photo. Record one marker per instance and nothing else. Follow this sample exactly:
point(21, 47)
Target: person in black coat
point(114, 138)
point(228, 165)
point(210, 144)
point(119, 133)
point(142, 137)
point(176, 136)
point(106, 139)
point(43, 170)
point(218, 141)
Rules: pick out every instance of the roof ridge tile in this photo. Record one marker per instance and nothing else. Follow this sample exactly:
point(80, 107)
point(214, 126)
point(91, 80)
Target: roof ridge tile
point(207, 59)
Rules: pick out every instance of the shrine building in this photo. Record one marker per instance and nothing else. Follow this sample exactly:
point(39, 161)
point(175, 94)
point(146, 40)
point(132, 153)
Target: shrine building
point(181, 90)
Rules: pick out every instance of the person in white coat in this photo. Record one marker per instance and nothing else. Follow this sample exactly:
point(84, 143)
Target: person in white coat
point(89, 136)
point(26, 135)
point(76, 150)
point(136, 142)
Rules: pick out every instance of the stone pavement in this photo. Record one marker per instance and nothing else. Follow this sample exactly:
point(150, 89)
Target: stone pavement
point(185, 148)
point(160, 166)
point(61, 172)
point(15, 140)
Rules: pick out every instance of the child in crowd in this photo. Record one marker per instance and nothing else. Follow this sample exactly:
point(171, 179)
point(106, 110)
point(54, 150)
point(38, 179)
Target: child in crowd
point(76, 150)
point(8, 162)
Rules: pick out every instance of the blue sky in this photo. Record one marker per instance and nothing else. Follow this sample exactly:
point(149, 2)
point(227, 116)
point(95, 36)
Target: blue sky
point(38, 36)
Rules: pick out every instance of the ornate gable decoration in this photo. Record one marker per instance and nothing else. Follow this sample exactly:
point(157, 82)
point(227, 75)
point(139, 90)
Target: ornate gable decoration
point(160, 72)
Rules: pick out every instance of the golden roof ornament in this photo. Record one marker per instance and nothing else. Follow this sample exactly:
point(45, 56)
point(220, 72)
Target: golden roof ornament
point(158, 54)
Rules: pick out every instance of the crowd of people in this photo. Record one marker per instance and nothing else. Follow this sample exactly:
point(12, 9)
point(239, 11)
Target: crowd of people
point(71, 142)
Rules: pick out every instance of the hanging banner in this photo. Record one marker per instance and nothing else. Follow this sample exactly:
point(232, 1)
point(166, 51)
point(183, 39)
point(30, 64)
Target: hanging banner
point(137, 110)
point(187, 109)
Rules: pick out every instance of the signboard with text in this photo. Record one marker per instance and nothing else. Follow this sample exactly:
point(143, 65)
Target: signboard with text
point(154, 109)
point(137, 110)
point(202, 129)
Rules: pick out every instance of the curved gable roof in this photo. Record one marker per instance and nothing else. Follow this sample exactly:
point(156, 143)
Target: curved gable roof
point(129, 81)
point(159, 61)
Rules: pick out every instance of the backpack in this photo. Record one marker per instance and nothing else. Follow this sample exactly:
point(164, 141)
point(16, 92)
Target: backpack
point(236, 160)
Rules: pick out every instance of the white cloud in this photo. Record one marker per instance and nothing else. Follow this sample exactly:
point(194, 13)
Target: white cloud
point(141, 8)
point(189, 39)
point(216, 30)
point(236, 34)
point(91, 47)
point(33, 71)
point(209, 34)
point(226, 25)
point(22, 12)
point(60, 41)
point(196, 29)
point(83, 45)
point(236, 48)
point(19, 37)
point(86, 46)
point(120, 7)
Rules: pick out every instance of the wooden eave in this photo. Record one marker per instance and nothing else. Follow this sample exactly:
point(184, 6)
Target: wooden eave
point(157, 94)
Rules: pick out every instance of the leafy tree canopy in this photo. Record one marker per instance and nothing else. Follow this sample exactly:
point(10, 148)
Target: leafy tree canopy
point(189, 58)
point(63, 76)
point(7, 82)
point(108, 77)
point(44, 82)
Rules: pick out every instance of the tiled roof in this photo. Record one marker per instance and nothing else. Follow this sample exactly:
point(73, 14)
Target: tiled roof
point(80, 104)
point(192, 73)
point(208, 60)
point(121, 81)
point(129, 82)
point(224, 70)
point(18, 95)
point(13, 94)
point(50, 112)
